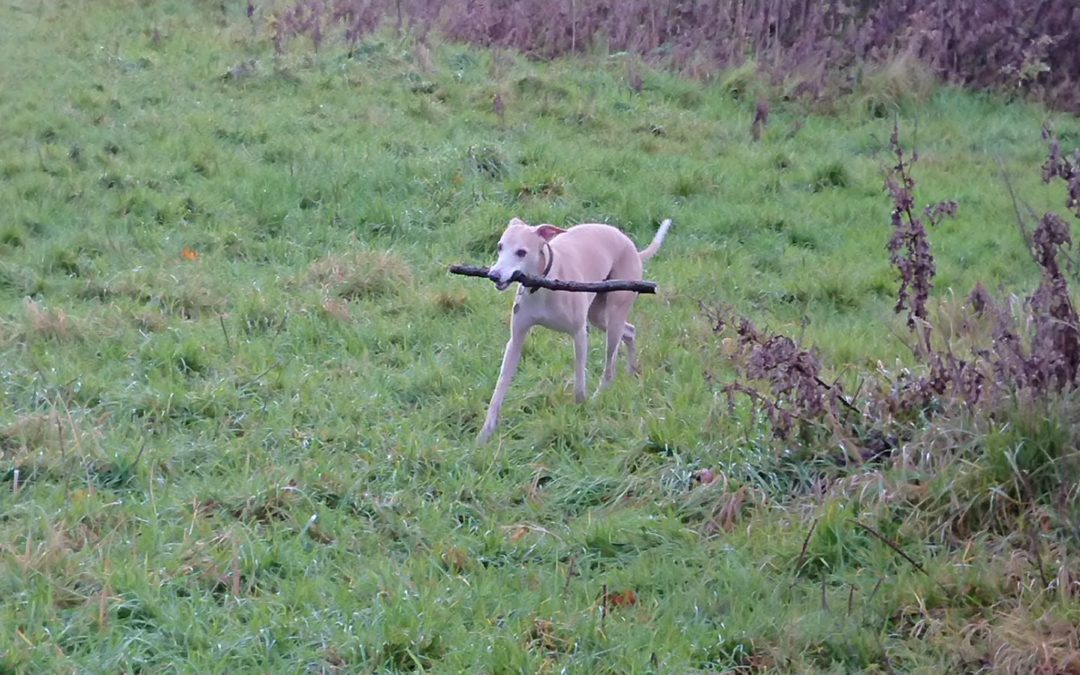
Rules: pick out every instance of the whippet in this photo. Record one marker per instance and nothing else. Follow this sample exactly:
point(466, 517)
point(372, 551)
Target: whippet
point(589, 252)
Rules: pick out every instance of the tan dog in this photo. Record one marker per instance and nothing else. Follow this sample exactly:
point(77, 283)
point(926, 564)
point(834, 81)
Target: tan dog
point(590, 252)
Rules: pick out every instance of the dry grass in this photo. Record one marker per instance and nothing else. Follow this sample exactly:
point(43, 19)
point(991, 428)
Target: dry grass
point(335, 308)
point(186, 294)
point(449, 302)
point(1024, 643)
point(360, 274)
point(46, 323)
point(899, 81)
point(42, 437)
point(48, 554)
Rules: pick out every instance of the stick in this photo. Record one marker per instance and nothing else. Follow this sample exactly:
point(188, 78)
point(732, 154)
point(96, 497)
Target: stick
point(806, 542)
point(877, 586)
point(899, 551)
point(883, 539)
point(530, 281)
point(847, 404)
point(569, 575)
point(221, 319)
point(603, 608)
point(135, 462)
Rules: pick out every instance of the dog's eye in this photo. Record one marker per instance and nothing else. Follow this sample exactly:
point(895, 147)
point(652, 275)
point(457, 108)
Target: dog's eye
point(499, 247)
point(520, 253)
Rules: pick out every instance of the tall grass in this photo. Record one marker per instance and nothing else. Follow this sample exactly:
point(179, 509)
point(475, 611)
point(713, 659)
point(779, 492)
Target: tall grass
point(814, 46)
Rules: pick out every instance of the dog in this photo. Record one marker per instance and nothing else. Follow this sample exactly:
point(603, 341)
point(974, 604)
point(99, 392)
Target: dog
point(589, 252)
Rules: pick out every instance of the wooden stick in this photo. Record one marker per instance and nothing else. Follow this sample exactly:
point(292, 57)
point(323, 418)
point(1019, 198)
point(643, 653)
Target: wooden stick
point(530, 281)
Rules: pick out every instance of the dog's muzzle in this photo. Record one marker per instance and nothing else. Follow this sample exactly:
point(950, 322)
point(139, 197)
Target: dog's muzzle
point(499, 283)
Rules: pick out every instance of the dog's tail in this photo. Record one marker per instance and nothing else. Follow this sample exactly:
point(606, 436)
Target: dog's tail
point(650, 250)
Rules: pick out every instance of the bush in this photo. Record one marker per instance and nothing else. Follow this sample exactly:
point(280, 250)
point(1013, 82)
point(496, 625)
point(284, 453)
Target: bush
point(1008, 375)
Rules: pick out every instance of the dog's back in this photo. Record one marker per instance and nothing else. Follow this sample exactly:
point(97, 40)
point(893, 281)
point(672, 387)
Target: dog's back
point(596, 252)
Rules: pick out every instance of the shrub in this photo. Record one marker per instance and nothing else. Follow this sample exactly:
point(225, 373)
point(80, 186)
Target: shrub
point(1031, 359)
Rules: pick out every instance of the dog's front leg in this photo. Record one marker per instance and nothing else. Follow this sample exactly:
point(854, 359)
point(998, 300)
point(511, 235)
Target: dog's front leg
point(511, 357)
point(581, 356)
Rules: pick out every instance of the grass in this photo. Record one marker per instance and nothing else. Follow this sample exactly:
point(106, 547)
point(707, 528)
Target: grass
point(241, 391)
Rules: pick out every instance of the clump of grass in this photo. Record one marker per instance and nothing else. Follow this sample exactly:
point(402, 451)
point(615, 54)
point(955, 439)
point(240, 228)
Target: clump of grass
point(12, 236)
point(186, 294)
point(360, 274)
point(64, 261)
point(18, 281)
point(541, 184)
point(449, 302)
point(183, 356)
point(257, 314)
point(32, 431)
point(831, 175)
point(1030, 642)
point(901, 80)
point(335, 308)
point(489, 161)
point(47, 323)
point(690, 183)
point(150, 321)
point(742, 82)
point(37, 443)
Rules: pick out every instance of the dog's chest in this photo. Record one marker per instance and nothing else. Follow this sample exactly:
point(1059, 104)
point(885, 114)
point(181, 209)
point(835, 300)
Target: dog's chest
point(559, 311)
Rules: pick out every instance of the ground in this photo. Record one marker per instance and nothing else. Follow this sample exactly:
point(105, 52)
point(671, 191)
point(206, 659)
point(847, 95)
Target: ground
point(240, 389)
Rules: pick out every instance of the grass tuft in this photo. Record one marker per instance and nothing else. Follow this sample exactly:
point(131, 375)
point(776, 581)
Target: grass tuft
point(47, 323)
point(360, 275)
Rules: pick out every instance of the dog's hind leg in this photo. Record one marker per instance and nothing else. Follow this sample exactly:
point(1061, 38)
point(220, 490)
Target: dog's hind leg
point(614, 337)
point(581, 356)
point(616, 331)
point(629, 338)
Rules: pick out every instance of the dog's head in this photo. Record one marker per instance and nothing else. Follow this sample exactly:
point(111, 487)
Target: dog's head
point(520, 250)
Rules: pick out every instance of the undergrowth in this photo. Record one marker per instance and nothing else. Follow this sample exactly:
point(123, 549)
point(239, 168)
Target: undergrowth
point(810, 49)
point(972, 450)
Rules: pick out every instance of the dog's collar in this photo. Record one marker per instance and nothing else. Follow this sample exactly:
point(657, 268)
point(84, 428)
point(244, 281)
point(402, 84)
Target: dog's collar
point(550, 255)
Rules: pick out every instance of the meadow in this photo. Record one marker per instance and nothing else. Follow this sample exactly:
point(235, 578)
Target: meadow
point(240, 390)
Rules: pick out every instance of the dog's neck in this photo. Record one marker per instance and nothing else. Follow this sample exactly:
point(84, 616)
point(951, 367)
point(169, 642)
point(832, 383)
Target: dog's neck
point(549, 258)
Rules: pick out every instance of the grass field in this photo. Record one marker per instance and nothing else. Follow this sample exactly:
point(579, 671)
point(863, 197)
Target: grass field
point(240, 391)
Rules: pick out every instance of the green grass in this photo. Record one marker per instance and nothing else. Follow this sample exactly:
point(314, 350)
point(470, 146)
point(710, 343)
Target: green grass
point(261, 458)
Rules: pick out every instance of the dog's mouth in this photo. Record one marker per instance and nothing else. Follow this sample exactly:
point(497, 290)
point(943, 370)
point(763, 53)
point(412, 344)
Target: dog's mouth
point(502, 285)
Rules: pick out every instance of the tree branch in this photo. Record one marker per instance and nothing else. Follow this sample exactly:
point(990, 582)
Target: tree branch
point(531, 281)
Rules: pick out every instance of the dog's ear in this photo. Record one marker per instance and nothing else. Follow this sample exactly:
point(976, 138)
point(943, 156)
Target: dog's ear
point(548, 232)
point(517, 221)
